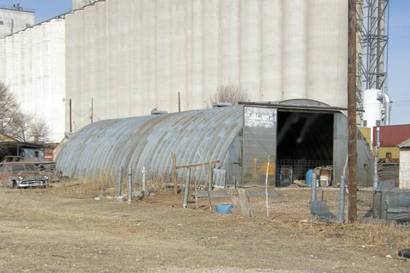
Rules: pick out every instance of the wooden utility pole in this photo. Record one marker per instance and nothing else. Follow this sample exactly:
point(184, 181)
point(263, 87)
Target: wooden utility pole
point(92, 110)
point(352, 146)
point(179, 101)
point(70, 115)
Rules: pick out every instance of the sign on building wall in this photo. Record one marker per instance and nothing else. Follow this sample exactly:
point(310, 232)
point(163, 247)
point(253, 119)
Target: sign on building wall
point(260, 117)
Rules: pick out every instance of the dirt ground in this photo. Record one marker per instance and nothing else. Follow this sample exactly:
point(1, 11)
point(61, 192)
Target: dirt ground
point(65, 229)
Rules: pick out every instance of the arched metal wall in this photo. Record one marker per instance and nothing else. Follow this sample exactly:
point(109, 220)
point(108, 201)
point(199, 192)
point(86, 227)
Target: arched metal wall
point(105, 147)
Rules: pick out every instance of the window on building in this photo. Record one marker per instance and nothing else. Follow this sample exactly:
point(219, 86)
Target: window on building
point(1, 22)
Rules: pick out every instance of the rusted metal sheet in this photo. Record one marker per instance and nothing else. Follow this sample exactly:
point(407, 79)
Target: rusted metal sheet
point(103, 148)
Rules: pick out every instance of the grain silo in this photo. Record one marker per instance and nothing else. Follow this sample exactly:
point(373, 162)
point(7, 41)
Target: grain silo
point(33, 68)
point(125, 58)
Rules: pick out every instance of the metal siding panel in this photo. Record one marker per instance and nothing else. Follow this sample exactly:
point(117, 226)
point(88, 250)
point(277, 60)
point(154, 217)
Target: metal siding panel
point(196, 136)
point(259, 146)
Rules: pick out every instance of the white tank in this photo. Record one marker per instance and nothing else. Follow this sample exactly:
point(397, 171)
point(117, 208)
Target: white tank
point(373, 107)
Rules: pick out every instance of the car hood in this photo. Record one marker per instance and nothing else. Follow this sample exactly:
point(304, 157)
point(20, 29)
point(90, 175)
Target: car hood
point(29, 175)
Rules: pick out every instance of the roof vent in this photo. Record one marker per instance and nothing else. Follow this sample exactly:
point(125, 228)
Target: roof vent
point(221, 104)
point(156, 112)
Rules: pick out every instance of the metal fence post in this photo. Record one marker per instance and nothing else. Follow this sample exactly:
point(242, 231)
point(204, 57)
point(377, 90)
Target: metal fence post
point(143, 181)
point(174, 173)
point(119, 182)
point(313, 191)
point(341, 212)
point(129, 185)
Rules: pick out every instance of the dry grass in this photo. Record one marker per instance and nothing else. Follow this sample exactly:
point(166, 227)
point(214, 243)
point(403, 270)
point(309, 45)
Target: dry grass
point(106, 185)
point(156, 232)
point(368, 235)
point(87, 187)
point(158, 183)
point(288, 209)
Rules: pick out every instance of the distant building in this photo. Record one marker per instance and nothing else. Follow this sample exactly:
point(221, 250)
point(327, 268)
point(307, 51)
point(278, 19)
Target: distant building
point(390, 136)
point(404, 164)
point(81, 3)
point(33, 68)
point(14, 19)
point(11, 147)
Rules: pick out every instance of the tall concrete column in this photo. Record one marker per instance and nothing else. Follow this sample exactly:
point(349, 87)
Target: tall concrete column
point(294, 48)
point(327, 51)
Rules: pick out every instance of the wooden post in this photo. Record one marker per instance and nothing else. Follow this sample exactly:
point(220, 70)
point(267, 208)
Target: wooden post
point(174, 173)
point(266, 189)
point(244, 203)
point(210, 177)
point(196, 194)
point(352, 145)
point(186, 190)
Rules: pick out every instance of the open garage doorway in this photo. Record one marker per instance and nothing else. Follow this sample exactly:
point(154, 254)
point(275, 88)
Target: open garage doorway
point(304, 142)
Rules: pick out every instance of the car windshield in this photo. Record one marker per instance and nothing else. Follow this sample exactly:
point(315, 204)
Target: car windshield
point(23, 168)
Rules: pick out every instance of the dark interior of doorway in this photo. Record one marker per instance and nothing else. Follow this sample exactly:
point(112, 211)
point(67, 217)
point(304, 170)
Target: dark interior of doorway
point(304, 141)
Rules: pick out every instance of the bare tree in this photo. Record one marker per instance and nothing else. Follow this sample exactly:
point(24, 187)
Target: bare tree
point(10, 114)
point(231, 94)
point(20, 126)
point(16, 124)
point(38, 131)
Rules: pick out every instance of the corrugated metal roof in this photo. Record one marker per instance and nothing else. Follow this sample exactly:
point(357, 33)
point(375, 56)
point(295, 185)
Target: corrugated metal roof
point(392, 135)
point(405, 144)
point(103, 148)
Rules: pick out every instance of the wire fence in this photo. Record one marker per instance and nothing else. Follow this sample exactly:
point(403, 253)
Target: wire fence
point(298, 167)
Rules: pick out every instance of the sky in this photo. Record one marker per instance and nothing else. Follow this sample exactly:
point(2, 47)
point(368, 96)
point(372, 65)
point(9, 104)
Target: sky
point(399, 48)
point(399, 60)
point(45, 9)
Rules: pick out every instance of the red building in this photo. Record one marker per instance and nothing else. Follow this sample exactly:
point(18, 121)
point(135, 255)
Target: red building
point(390, 137)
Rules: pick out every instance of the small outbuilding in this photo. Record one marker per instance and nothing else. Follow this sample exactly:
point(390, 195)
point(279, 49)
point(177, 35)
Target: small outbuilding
point(12, 147)
point(404, 176)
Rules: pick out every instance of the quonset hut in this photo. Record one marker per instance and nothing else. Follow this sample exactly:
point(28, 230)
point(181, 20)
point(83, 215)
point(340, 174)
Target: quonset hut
point(194, 136)
point(297, 135)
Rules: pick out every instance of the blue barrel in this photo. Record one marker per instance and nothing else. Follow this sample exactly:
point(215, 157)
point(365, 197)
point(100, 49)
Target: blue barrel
point(224, 208)
point(309, 177)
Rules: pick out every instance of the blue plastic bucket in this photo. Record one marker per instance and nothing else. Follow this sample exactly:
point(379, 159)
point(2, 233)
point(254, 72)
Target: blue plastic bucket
point(224, 208)
point(309, 177)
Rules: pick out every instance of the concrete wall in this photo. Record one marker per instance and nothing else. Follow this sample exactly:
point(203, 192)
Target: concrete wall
point(14, 20)
point(404, 175)
point(76, 4)
point(33, 67)
point(131, 56)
